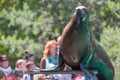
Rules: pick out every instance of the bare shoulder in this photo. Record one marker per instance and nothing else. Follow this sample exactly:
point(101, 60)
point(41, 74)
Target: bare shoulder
point(43, 59)
point(43, 63)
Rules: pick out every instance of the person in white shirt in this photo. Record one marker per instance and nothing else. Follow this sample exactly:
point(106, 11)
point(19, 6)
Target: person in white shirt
point(4, 65)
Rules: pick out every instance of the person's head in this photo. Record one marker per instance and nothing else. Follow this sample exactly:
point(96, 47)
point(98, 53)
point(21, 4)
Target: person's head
point(59, 39)
point(30, 66)
point(28, 56)
point(2, 75)
point(20, 65)
point(4, 63)
point(50, 48)
point(18, 74)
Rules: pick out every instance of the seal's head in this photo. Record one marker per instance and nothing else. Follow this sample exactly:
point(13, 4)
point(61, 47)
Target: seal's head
point(81, 14)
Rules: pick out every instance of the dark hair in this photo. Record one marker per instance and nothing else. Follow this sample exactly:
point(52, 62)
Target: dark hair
point(27, 54)
point(3, 57)
point(18, 73)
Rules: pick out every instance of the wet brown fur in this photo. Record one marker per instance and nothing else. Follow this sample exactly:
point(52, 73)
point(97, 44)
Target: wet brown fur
point(67, 49)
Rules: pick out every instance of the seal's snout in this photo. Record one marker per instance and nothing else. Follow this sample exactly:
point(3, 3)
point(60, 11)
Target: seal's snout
point(80, 13)
point(80, 10)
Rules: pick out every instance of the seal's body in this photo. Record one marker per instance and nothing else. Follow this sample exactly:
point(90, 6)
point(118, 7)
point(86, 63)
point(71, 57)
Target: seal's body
point(78, 46)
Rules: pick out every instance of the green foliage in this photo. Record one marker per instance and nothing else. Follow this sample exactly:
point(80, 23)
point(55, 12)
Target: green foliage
point(8, 4)
point(105, 13)
point(110, 40)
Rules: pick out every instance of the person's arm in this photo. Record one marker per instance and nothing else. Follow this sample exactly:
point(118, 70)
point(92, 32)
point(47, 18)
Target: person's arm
point(67, 67)
point(43, 63)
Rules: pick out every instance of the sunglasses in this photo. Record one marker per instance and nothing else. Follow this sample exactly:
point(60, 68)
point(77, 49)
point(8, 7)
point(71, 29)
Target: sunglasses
point(20, 75)
point(4, 60)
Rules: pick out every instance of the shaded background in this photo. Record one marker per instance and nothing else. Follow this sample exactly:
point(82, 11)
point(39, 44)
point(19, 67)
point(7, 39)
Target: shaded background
point(29, 24)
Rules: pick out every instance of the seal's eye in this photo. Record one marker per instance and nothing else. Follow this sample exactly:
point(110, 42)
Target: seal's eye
point(84, 11)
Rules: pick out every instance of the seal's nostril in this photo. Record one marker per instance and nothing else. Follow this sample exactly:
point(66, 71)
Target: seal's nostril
point(79, 11)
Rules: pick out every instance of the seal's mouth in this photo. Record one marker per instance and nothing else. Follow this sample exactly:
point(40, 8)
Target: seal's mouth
point(78, 19)
point(80, 14)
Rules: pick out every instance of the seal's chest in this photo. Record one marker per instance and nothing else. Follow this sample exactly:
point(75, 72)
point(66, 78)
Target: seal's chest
point(72, 59)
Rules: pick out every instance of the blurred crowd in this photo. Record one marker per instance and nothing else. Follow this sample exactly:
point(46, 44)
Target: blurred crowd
point(48, 61)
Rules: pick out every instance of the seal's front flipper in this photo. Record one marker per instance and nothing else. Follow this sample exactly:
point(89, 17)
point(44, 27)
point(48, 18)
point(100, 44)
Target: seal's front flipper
point(91, 74)
point(94, 62)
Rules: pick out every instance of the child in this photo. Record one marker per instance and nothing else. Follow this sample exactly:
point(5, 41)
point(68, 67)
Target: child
point(18, 74)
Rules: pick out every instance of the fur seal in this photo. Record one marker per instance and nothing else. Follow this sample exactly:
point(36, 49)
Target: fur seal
point(79, 46)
